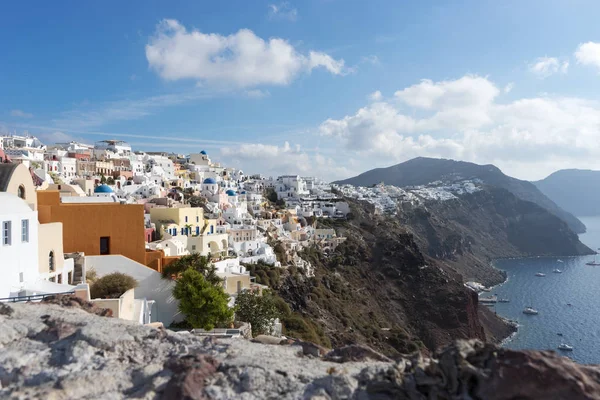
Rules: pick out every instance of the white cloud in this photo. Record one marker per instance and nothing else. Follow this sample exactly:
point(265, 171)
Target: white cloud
point(544, 67)
point(283, 10)
point(588, 54)
point(20, 114)
point(508, 88)
point(462, 119)
point(241, 59)
point(376, 96)
point(276, 160)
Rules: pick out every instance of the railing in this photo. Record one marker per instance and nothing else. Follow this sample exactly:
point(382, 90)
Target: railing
point(34, 297)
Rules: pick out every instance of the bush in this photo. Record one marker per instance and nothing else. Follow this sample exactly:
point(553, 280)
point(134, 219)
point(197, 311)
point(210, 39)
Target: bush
point(204, 304)
point(259, 311)
point(91, 276)
point(112, 286)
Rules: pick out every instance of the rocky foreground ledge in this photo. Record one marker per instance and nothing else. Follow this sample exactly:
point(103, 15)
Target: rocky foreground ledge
point(49, 351)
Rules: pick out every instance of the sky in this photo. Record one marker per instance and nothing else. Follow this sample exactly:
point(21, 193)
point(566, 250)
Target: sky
point(329, 88)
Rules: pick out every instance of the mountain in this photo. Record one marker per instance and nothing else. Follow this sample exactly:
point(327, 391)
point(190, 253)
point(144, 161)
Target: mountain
point(422, 170)
point(397, 283)
point(575, 190)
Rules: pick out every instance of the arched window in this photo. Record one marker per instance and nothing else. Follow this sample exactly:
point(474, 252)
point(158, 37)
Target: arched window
point(21, 192)
point(51, 265)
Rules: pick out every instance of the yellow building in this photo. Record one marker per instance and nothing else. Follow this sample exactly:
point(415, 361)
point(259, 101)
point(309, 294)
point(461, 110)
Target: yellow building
point(175, 221)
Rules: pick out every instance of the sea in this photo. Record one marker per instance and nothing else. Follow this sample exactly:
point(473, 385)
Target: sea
point(578, 285)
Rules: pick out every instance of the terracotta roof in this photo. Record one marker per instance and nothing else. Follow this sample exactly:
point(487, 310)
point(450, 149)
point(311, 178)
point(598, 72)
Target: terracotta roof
point(6, 172)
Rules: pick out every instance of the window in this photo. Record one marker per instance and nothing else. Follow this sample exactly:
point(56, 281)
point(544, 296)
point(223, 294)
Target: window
point(6, 228)
point(21, 192)
point(193, 247)
point(186, 219)
point(239, 286)
point(51, 265)
point(21, 277)
point(24, 230)
point(197, 218)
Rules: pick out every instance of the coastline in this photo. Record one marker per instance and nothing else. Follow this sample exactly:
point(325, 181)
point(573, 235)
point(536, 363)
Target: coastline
point(504, 330)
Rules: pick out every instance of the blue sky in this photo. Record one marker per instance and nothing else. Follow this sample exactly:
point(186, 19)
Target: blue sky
point(283, 87)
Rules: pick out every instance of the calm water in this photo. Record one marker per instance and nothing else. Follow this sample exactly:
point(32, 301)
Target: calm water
point(579, 284)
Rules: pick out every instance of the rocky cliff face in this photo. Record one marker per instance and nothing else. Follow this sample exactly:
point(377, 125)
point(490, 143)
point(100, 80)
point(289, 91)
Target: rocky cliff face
point(468, 232)
point(396, 284)
point(378, 289)
point(52, 352)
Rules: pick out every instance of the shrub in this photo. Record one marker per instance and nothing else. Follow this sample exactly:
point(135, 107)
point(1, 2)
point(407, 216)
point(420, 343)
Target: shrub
point(112, 286)
point(259, 311)
point(204, 304)
point(91, 276)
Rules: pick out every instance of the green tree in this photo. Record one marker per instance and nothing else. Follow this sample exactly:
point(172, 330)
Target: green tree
point(259, 311)
point(203, 303)
point(112, 286)
point(196, 262)
point(110, 180)
point(102, 179)
point(271, 195)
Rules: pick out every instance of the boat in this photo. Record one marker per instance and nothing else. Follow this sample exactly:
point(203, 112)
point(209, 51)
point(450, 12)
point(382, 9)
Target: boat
point(559, 334)
point(557, 271)
point(540, 274)
point(488, 300)
point(565, 347)
point(504, 301)
point(569, 304)
point(530, 311)
point(595, 262)
point(560, 261)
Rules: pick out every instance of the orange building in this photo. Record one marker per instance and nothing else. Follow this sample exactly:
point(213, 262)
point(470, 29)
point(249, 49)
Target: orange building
point(96, 228)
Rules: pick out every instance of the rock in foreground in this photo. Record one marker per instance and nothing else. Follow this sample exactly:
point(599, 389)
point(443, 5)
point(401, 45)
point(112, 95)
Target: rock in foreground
point(52, 352)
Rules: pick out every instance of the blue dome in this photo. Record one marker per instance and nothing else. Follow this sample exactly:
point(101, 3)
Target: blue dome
point(230, 192)
point(243, 192)
point(203, 152)
point(210, 181)
point(103, 189)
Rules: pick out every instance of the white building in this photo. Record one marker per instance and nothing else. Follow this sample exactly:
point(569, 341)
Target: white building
point(290, 186)
point(106, 149)
point(160, 165)
point(18, 246)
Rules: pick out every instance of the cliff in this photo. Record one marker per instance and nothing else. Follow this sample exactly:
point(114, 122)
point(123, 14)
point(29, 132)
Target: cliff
point(52, 352)
point(468, 232)
point(422, 170)
point(396, 284)
point(378, 289)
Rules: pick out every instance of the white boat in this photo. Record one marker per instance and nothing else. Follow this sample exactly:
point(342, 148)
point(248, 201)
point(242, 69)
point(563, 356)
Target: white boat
point(557, 271)
point(565, 347)
point(595, 262)
point(504, 301)
point(560, 261)
point(530, 311)
point(488, 300)
point(540, 274)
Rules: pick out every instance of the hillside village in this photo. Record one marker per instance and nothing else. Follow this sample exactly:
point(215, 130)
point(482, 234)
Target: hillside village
point(71, 210)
